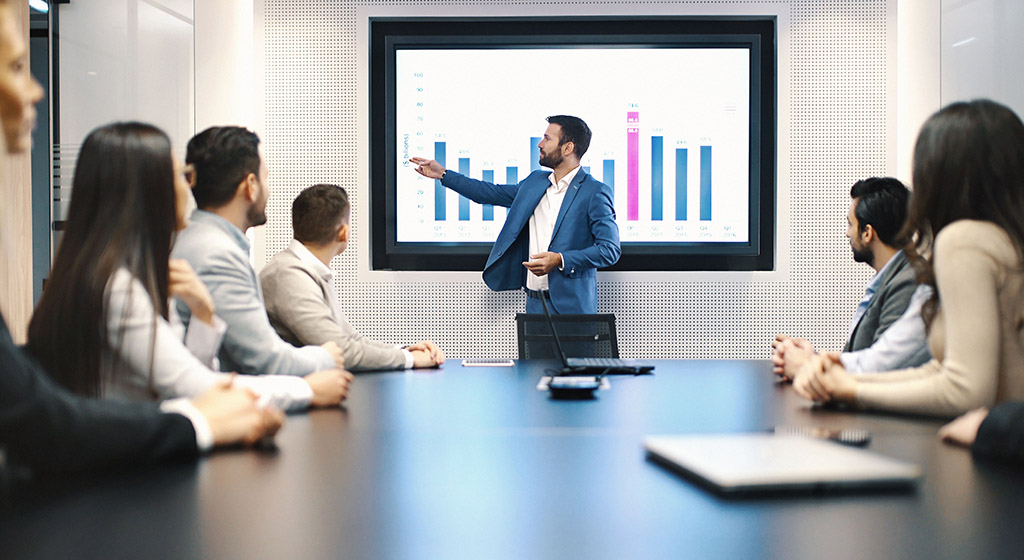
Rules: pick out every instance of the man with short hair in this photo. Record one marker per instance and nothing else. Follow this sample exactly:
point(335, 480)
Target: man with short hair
point(560, 226)
point(299, 290)
point(887, 331)
point(231, 192)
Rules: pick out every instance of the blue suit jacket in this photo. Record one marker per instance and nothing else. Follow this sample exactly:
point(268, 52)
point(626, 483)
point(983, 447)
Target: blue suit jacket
point(585, 234)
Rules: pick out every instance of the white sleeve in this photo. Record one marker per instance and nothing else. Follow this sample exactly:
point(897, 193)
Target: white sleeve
point(410, 360)
point(131, 321)
point(903, 345)
point(201, 338)
point(204, 435)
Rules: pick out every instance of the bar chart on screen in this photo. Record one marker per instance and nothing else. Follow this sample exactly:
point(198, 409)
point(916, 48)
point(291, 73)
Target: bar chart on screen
point(672, 146)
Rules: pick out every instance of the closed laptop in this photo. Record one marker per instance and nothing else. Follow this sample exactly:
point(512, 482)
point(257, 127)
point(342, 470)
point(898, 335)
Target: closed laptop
point(764, 462)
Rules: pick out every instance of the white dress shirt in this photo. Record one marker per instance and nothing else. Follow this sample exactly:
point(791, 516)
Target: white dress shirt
point(542, 223)
point(904, 344)
point(142, 365)
point(327, 275)
point(182, 406)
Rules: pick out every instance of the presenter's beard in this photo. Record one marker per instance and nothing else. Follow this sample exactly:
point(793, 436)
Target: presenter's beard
point(551, 160)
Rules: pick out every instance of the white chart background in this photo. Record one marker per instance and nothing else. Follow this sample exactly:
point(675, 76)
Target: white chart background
point(488, 105)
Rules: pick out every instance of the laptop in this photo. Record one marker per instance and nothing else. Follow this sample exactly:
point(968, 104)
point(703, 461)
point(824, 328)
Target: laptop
point(737, 464)
point(591, 366)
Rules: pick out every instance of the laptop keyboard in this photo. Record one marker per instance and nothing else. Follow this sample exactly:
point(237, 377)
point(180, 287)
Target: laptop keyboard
point(598, 362)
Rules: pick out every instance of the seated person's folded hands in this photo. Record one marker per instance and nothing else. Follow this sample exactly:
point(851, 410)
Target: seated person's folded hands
point(234, 416)
point(789, 354)
point(330, 387)
point(426, 354)
point(822, 378)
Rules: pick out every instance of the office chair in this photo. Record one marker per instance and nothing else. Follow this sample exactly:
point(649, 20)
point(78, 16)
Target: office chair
point(582, 336)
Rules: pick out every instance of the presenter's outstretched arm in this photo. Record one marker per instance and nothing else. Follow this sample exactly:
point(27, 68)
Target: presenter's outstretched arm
point(481, 192)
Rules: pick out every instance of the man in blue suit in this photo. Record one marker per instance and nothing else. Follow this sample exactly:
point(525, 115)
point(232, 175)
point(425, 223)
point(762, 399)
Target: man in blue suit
point(560, 226)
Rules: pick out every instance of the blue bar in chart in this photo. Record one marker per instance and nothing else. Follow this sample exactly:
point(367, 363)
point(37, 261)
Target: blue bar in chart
point(439, 190)
point(705, 182)
point(488, 209)
point(681, 175)
point(657, 177)
point(681, 184)
point(678, 178)
point(463, 201)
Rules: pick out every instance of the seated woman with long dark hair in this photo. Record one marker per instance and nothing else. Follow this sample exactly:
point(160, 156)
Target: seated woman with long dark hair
point(104, 325)
point(967, 207)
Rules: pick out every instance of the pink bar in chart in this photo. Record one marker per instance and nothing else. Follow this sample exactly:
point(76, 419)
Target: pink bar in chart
point(632, 165)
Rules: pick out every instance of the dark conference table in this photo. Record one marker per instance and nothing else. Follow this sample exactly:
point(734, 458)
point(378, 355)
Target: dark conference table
point(472, 462)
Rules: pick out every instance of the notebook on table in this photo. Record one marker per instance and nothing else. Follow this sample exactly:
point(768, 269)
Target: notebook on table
point(736, 464)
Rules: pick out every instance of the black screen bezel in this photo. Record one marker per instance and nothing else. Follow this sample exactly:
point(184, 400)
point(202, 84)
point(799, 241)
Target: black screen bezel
point(387, 35)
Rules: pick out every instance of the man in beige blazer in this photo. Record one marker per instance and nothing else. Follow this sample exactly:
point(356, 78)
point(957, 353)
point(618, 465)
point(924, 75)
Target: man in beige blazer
point(299, 292)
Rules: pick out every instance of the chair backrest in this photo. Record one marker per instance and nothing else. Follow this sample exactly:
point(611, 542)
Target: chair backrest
point(582, 336)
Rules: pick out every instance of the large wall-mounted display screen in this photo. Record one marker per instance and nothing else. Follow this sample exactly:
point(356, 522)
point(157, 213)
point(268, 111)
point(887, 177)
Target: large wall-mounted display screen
point(682, 122)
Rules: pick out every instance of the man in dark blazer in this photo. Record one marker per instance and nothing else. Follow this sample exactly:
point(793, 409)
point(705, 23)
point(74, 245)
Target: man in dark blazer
point(560, 226)
point(875, 220)
point(48, 428)
point(45, 428)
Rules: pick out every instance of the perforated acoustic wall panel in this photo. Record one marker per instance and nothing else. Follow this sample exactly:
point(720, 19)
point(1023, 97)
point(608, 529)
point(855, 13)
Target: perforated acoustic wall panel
point(839, 119)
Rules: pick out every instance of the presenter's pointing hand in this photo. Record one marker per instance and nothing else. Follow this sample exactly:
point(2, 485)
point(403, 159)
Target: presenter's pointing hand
point(428, 167)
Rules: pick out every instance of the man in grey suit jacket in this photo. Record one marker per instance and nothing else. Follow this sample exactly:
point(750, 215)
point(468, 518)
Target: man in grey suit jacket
point(875, 220)
point(231, 191)
point(299, 291)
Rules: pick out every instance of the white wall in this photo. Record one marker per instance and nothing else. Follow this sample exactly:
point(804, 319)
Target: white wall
point(955, 50)
point(983, 51)
point(228, 79)
point(861, 77)
point(838, 63)
point(863, 74)
point(227, 86)
point(918, 76)
point(126, 59)
point(123, 60)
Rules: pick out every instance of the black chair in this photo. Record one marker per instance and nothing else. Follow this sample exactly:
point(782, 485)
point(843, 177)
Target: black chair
point(582, 336)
